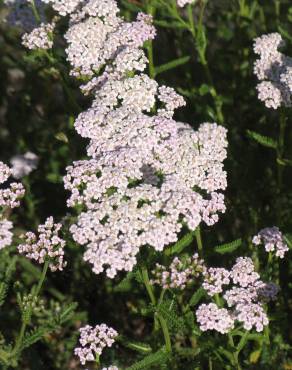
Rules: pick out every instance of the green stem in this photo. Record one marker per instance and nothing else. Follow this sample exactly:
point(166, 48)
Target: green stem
point(35, 11)
point(203, 60)
point(148, 286)
point(165, 332)
point(281, 147)
point(25, 323)
point(234, 354)
point(157, 315)
point(199, 241)
point(149, 47)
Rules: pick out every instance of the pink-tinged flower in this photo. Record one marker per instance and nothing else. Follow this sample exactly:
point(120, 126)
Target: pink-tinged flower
point(273, 241)
point(93, 340)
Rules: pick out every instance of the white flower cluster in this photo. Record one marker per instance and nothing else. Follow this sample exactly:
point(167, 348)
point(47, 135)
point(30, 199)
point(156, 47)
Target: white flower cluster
point(273, 240)
point(214, 279)
point(179, 274)
point(211, 317)
point(9, 198)
point(47, 245)
point(148, 174)
point(93, 340)
point(5, 233)
point(182, 3)
point(21, 14)
point(64, 7)
point(244, 298)
point(274, 69)
point(23, 165)
point(40, 37)
point(110, 368)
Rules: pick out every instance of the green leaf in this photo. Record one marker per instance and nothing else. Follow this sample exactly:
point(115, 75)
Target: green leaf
point(263, 140)
point(181, 244)
point(228, 247)
point(168, 310)
point(254, 356)
point(166, 24)
point(136, 346)
point(60, 136)
point(154, 359)
point(204, 89)
point(284, 162)
point(172, 64)
point(4, 285)
point(196, 297)
point(288, 240)
point(36, 335)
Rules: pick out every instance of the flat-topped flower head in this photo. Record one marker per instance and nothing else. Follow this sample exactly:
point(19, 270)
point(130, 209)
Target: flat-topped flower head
point(215, 279)
point(180, 273)
point(273, 241)
point(40, 37)
point(11, 195)
point(93, 340)
point(211, 317)
point(45, 246)
point(5, 233)
point(273, 69)
point(243, 272)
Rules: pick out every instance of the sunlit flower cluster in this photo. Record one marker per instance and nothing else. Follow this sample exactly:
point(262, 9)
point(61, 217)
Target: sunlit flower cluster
point(9, 196)
point(40, 37)
point(5, 233)
point(274, 69)
point(244, 298)
point(179, 274)
point(148, 174)
point(46, 246)
point(273, 241)
point(93, 340)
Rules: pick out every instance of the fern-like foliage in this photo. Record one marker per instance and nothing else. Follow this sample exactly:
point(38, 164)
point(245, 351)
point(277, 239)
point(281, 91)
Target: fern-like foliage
point(228, 247)
point(4, 285)
point(263, 140)
point(152, 361)
point(179, 246)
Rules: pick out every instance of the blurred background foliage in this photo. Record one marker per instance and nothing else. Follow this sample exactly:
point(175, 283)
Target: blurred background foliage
point(37, 114)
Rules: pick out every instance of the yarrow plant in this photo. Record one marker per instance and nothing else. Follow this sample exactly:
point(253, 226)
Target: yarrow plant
point(47, 245)
point(273, 241)
point(93, 341)
point(274, 69)
point(147, 187)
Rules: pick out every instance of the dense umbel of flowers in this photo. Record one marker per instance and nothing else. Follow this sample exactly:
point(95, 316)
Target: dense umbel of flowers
point(148, 174)
point(40, 37)
point(9, 198)
point(47, 245)
point(180, 272)
point(274, 69)
point(244, 298)
point(93, 341)
point(273, 241)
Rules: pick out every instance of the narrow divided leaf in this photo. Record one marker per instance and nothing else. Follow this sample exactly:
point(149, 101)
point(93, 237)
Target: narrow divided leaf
point(228, 247)
point(172, 64)
point(181, 244)
point(150, 361)
point(263, 140)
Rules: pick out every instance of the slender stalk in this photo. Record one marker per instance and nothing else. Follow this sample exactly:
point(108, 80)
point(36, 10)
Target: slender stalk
point(149, 47)
point(25, 323)
point(35, 11)
point(199, 241)
point(202, 58)
point(234, 354)
point(281, 147)
point(157, 315)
